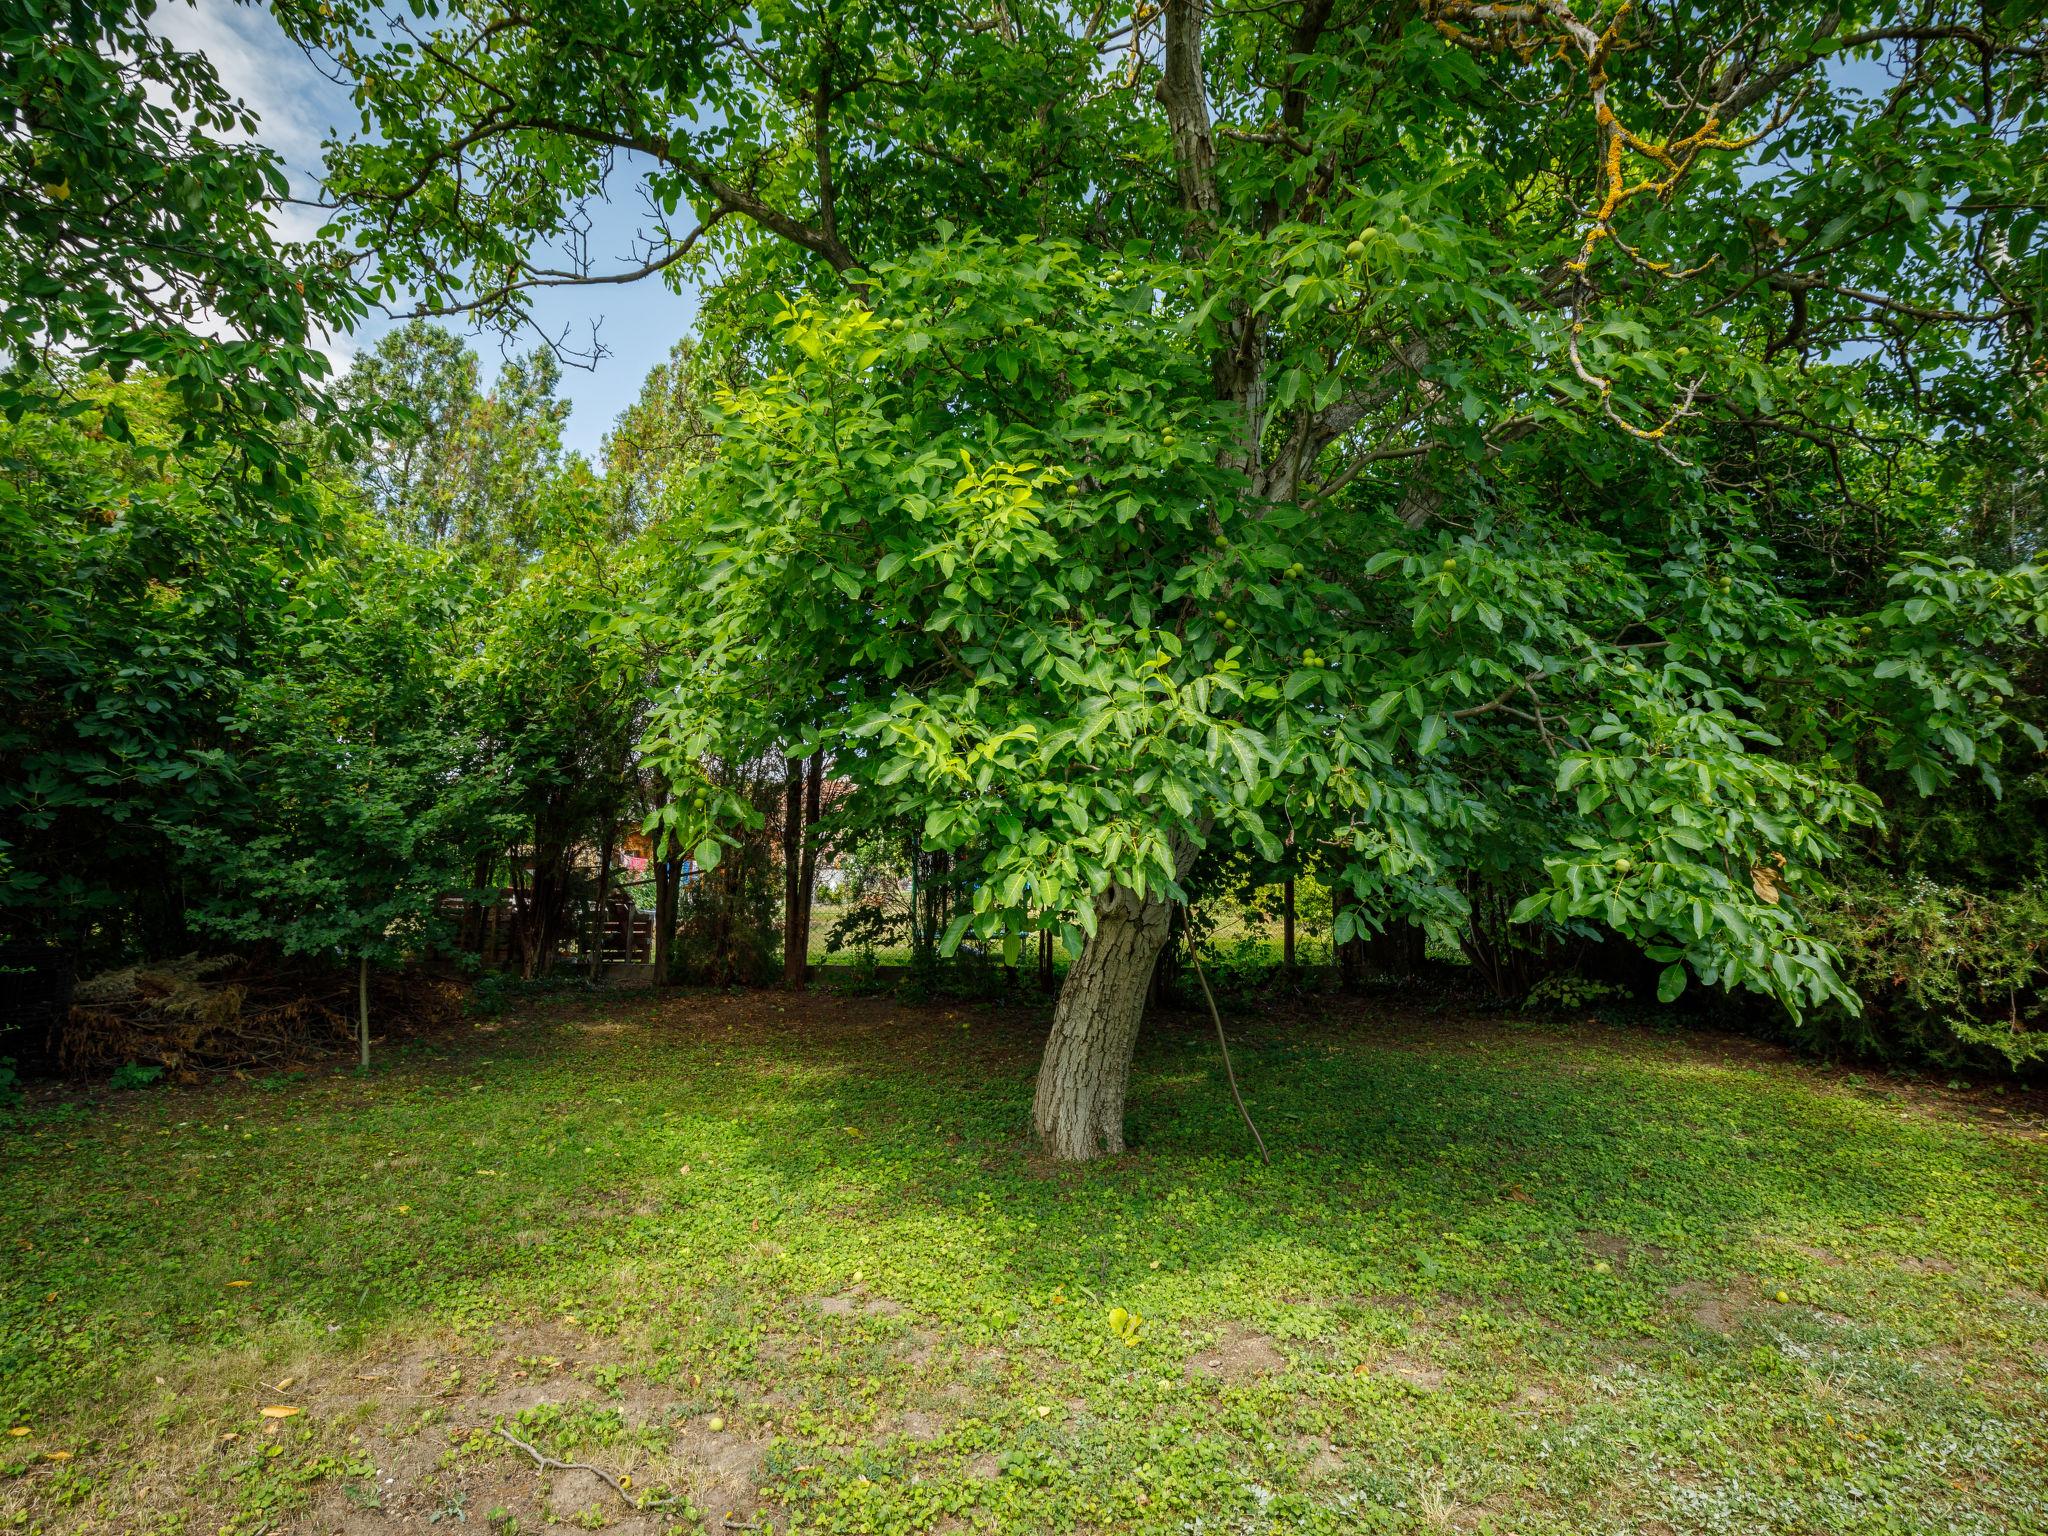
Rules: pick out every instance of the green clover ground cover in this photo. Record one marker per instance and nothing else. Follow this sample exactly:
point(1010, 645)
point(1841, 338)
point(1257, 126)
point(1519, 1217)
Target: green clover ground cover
point(1496, 1279)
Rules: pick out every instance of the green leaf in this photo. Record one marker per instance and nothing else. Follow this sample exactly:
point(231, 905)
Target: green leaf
point(1670, 983)
point(955, 931)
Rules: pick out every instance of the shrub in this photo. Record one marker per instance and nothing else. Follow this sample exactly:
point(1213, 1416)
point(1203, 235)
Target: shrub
point(1569, 992)
point(1948, 975)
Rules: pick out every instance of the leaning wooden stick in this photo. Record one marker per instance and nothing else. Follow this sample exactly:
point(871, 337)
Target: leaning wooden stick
point(1228, 1071)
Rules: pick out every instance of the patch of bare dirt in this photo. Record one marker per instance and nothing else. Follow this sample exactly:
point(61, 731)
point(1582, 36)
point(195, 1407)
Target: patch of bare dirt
point(1325, 1461)
point(1240, 1355)
point(1412, 1369)
point(1616, 1250)
point(427, 1410)
point(1714, 1310)
point(1926, 1266)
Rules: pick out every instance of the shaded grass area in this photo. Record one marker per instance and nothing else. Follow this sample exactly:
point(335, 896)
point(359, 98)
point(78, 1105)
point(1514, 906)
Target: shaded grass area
point(792, 1265)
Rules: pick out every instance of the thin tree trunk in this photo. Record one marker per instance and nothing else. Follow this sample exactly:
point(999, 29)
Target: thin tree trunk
point(1079, 1108)
point(602, 924)
point(1045, 959)
point(807, 896)
point(1398, 951)
point(363, 1010)
point(1287, 923)
point(667, 880)
point(795, 947)
point(474, 912)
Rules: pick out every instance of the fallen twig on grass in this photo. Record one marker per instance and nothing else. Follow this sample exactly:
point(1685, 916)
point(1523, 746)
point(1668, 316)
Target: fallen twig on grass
point(541, 1458)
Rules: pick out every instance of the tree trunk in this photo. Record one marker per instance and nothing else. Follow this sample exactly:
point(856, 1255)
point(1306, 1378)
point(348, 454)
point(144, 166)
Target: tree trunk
point(794, 956)
point(668, 879)
point(602, 921)
point(474, 913)
point(807, 897)
point(363, 1010)
point(1287, 924)
point(1079, 1108)
point(1397, 951)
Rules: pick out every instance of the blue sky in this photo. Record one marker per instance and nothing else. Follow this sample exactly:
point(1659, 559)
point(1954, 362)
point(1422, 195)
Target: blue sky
point(300, 108)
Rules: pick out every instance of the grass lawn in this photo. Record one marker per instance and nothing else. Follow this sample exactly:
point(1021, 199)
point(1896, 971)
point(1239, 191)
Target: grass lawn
point(791, 1265)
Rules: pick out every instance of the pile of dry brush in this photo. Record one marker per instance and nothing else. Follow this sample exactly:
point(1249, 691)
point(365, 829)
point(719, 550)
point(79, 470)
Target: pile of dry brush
point(211, 1013)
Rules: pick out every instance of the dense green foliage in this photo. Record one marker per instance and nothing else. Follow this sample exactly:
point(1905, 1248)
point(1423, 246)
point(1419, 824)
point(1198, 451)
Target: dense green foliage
point(137, 231)
point(366, 789)
point(297, 736)
point(1490, 1275)
point(1502, 445)
point(1565, 479)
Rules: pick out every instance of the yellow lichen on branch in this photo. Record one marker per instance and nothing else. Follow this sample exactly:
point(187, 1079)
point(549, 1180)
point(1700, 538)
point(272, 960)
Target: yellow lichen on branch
point(1525, 28)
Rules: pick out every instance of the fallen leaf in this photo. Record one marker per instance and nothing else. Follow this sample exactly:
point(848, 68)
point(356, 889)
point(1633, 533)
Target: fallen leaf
point(279, 1411)
point(56, 1455)
point(234, 1285)
point(19, 1430)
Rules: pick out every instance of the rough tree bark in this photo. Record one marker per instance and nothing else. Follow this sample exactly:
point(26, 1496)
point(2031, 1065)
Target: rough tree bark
point(1079, 1109)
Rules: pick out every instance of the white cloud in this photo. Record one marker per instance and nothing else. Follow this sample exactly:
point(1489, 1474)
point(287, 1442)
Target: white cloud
point(298, 106)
